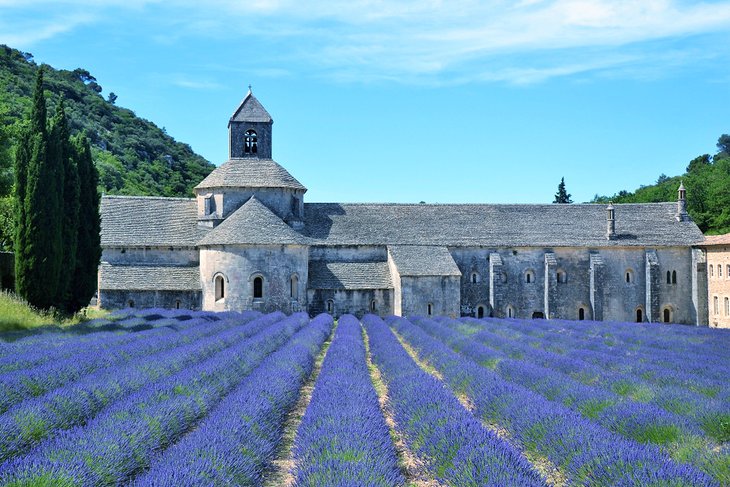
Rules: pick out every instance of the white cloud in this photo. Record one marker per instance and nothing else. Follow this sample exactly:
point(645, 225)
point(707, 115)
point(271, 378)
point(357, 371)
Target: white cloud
point(426, 40)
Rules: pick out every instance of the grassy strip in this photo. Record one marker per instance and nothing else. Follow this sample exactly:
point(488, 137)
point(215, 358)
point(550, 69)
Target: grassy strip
point(280, 474)
point(16, 315)
point(412, 468)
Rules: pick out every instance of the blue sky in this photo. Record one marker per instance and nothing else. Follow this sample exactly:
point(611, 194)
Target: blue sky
point(403, 101)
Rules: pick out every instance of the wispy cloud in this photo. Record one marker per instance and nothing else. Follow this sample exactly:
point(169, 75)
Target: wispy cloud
point(195, 84)
point(430, 40)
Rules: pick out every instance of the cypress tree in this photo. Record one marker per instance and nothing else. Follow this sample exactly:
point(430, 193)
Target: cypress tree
point(43, 212)
point(88, 248)
point(30, 146)
point(63, 150)
point(22, 159)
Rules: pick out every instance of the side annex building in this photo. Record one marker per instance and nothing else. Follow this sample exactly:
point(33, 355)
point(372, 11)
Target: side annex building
point(248, 240)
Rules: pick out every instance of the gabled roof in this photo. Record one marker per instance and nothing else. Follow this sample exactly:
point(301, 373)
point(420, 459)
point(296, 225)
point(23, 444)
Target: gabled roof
point(717, 240)
point(250, 110)
point(253, 224)
point(143, 221)
point(550, 225)
point(423, 260)
point(148, 278)
point(349, 275)
point(250, 173)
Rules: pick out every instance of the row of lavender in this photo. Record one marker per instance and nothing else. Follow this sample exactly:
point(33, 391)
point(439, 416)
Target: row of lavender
point(583, 450)
point(203, 401)
point(689, 429)
point(110, 422)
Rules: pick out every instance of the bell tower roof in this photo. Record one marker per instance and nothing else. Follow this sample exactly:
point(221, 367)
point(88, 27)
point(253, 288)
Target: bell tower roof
point(250, 110)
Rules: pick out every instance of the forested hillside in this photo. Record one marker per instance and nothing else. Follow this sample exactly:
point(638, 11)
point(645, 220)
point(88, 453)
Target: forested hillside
point(707, 180)
point(132, 155)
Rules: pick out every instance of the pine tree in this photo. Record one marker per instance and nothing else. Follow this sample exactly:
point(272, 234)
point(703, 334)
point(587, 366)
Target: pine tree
point(89, 229)
point(562, 196)
point(63, 150)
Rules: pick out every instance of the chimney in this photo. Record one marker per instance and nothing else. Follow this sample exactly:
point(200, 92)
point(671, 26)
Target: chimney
point(682, 203)
point(611, 227)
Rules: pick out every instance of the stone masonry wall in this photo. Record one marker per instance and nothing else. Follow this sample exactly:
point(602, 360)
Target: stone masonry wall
point(356, 302)
point(239, 265)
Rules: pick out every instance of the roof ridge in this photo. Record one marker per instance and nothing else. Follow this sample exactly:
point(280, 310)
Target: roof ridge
point(166, 198)
point(517, 205)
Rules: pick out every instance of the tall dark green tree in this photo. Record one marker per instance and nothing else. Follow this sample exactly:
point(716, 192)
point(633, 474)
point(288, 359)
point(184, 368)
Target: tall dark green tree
point(61, 149)
point(562, 196)
point(88, 250)
point(43, 212)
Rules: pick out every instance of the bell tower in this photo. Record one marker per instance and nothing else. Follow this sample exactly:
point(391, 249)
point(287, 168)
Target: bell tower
point(249, 130)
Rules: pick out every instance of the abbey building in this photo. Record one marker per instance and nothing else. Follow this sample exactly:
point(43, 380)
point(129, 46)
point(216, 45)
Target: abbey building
point(248, 240)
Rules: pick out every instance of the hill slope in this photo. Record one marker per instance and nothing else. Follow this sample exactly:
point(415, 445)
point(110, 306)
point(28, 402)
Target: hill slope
point(707, 180)
point(133, 155)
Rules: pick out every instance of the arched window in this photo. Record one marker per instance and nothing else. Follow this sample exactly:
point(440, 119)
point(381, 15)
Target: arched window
point(474, 277)
point(177, 304)
point(529, 277)
point(220, 287)
point(629, 276)
point(715, 305)
point(480, 311)
point(667, 315)
point(581, 314)
point(727, 306)
point(430, 309)
point(719, 270)
point(639, 315)
point(373, 306)
point(510, 312)
point(712, 271)
point(669, 277)
point(258, 287)
point(562, 277)
point(294, 287)
point(330, 306)
point(250, 142)
point(674, 277)
point(130, 303)
point(727, 274)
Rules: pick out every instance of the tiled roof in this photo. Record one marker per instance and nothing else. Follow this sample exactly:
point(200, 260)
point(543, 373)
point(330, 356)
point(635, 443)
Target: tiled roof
point(254, 224)
point(717, 240)
point(250, 173)
point(250, 110)
point(421, 260)
point(349, 275)
point(148, 278)
point(140, 221)
point(551, 225)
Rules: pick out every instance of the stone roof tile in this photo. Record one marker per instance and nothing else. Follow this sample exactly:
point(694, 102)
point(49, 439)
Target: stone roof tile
point(349, 275)
point(250, 173)
point(250, 110)
point(423, 260)
point(143, 221)
point(717, 240)
point(253, 224)
point(549, 225)
point(148, 278)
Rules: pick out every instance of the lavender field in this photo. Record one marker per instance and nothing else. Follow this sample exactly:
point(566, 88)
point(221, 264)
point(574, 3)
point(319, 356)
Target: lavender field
point(182, 398)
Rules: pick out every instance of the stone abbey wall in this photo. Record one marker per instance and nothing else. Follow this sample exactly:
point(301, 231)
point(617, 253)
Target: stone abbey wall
point(240, 265)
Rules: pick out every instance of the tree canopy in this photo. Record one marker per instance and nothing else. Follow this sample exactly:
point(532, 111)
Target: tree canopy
point(707, 180)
